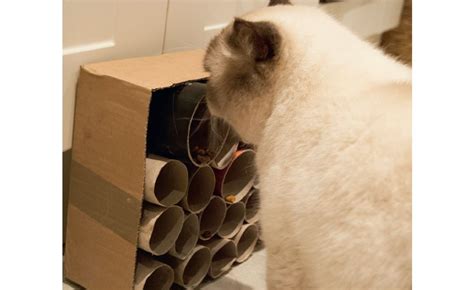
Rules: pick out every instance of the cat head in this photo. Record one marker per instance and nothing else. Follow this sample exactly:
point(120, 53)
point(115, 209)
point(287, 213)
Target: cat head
point(275, 54)
point(242, 61)
point(265, 56)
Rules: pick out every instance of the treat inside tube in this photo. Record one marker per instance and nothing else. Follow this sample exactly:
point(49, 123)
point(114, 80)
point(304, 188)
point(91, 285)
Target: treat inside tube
point(206, 135)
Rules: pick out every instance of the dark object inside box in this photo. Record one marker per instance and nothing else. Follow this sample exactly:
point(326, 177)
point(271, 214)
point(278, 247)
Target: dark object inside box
point(181, 127)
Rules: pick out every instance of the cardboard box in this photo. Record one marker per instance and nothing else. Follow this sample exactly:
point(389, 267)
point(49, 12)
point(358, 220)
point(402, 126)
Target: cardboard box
point(108, 163)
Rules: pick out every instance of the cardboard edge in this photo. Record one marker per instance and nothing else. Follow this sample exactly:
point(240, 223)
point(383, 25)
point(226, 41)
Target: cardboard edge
point(187, 58)
point(175, 85)
point(84, 70)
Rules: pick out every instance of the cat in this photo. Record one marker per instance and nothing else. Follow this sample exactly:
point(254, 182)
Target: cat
point(330, 116)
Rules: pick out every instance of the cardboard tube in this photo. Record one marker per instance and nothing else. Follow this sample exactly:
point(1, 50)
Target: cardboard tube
point(205, 132)
point(211, 218)
point(201, 187)
point(188, 237)
point(234, 218)
point(224, 157)
point(246, 240)
point(180, 125)
point(166, 180)
point(223, 255)
point(151, 274)
point(252, 204)
point(159, 228)
point(192, 270)
point(235, 181)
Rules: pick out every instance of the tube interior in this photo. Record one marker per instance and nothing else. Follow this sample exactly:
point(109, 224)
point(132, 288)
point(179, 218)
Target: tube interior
point(171, 183)
point(240, 176)
point(161, 278)
point(212, 218)
point(234, 217)
point(247, 242)
point(252, 205)
point(189, 235)
point(197, 267)
point(223, 259)
point(206, 135)
point(200, 189)
point(166, 230)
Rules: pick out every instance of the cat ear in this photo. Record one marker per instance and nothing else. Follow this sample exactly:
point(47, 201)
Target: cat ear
point(258, 40)
point(279, 2)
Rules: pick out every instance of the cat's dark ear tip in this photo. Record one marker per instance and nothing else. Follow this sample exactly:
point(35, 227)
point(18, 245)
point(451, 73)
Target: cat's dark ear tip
point(279, 2)
point(260, 39)
point(239, 21)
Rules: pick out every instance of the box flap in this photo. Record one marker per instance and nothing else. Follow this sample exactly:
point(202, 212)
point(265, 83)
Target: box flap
point(107, 176)
point(156, 71)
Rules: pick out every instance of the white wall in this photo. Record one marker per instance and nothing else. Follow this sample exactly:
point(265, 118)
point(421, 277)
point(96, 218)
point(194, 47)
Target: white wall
point(98, 30)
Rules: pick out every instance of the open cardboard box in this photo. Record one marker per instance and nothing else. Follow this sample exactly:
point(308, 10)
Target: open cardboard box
point(108, 163)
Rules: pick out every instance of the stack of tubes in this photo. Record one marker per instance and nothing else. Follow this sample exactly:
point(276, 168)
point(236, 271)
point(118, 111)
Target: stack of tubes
point(197, 220)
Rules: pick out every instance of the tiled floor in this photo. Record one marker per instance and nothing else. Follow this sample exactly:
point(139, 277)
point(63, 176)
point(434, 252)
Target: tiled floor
point(249, 275)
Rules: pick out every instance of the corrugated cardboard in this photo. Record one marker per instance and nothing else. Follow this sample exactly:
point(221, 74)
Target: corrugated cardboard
point(108, 163)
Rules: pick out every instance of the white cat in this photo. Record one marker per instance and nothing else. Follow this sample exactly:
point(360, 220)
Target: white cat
point(331, 118)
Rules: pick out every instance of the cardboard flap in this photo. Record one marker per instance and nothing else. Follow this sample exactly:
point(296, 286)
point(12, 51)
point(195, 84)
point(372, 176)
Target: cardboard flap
point(156, 71)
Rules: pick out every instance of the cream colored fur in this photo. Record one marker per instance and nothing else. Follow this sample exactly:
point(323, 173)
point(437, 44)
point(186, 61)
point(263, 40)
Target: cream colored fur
point(333, 136)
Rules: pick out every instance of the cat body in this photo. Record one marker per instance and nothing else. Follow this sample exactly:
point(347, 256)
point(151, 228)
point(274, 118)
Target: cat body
point(331, 118)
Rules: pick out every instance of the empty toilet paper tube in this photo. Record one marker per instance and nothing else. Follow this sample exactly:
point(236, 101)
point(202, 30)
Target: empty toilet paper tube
point(234, 218)
point(223, 255)
point(151, 274)
point(252, 204)
point(192, 270)
point(187, 238)
point(211, 218)
point(246, 240)
point(235, 181)
point(159, 228)
point(200, 188)
point(166, 180)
